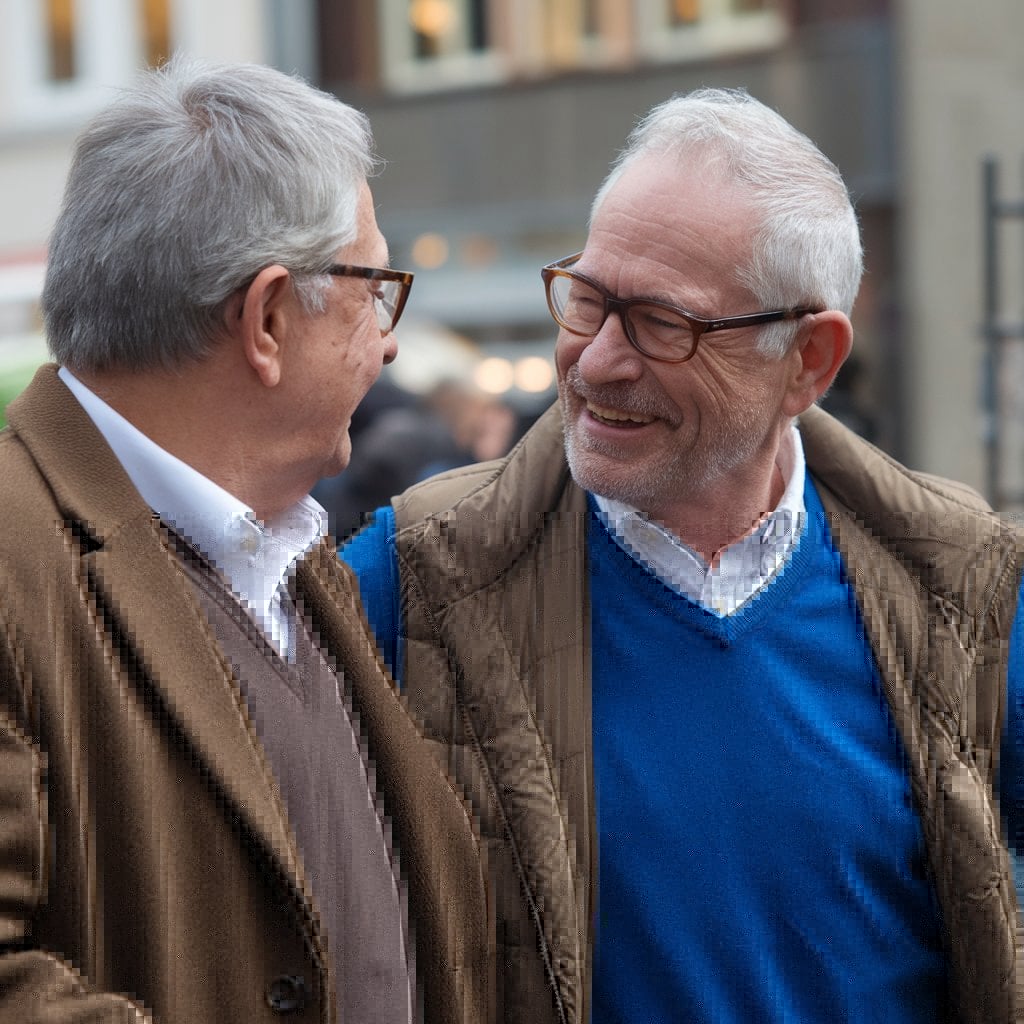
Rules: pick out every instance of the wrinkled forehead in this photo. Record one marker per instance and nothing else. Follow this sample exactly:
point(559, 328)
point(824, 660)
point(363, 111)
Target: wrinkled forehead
point(677, 207)
point(691, 174)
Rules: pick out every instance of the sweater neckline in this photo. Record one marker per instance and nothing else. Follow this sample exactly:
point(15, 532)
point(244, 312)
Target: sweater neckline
point(769, 600)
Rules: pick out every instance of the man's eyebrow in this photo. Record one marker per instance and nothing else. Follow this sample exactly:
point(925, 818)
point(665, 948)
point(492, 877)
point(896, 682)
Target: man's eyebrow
point(661, 297)
point(665, 299)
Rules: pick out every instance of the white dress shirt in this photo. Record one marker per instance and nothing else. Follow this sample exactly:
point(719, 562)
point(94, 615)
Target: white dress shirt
point(744, 567)
point(254, 557)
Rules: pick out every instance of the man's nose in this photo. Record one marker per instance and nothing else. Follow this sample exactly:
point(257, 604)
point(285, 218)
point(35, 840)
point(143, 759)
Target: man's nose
point(390, 347)
point(609, 355)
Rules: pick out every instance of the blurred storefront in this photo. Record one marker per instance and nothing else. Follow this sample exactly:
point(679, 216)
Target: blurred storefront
point(498, 118)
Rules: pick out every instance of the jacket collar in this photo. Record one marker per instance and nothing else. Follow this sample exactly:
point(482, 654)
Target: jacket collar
point(496, 526)
point(907, 512)
point(130, 576)
point(925, 520)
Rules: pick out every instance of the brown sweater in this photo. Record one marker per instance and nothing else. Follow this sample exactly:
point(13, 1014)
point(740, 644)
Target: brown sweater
point(306, 730)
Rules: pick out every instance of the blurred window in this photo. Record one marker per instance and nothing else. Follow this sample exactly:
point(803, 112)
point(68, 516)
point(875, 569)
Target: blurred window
point(687, 12)
point(59, 58)
point(60, 38)
point(155, 22)
point(441, 44)
point(437, 44)
point(684, 29)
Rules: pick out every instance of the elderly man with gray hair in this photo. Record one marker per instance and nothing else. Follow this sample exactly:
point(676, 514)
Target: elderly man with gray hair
point(213, 806)
point(725, 684)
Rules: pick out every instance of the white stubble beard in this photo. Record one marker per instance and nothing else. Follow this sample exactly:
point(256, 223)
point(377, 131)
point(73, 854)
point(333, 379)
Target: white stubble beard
point(687, 475)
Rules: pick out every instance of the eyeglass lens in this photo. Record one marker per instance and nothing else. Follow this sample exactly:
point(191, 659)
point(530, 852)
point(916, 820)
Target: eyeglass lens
point(386, 295)
point(655, 330)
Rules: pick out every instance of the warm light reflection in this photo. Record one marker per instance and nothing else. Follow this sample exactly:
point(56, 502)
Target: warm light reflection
point(494, 375)
point(60, 20)
point(534, 374)
point(430, 251)
point(432, 17)
point(155, 16)
point(685, 11)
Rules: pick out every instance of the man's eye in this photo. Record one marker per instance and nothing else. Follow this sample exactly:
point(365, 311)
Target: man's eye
point(659, 319)
point(585, 305)
point(666, 323)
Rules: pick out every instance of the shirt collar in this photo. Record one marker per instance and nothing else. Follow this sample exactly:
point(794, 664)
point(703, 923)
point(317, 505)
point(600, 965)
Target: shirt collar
point(253, 556)
point(744, 567)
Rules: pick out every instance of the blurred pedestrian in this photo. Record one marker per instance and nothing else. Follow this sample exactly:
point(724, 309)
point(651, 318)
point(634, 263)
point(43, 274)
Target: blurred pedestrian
point(453, 425)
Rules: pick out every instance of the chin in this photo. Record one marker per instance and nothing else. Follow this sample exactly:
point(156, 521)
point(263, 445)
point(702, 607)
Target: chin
point(333, 467)
point(602, 476)
point(337, 462)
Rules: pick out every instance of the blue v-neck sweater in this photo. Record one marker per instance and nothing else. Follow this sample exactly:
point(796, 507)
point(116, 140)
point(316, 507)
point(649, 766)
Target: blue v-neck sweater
point(759, 856)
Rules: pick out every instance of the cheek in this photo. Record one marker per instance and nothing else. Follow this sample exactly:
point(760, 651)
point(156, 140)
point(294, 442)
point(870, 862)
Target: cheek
point(361, 344)
point(568, 350)
point(723, 380)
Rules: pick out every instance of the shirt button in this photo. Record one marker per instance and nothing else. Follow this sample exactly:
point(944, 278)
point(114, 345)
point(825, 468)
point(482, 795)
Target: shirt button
point(287, 994)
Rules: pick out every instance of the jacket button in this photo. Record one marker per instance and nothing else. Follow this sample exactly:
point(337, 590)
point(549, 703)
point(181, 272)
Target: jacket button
point(287, 994)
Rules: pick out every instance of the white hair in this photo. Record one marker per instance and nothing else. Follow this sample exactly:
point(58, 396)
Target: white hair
point(806, 250)
point(180, 192)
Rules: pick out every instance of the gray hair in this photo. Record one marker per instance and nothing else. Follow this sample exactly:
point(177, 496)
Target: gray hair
point(806, 250)
point(180, 192)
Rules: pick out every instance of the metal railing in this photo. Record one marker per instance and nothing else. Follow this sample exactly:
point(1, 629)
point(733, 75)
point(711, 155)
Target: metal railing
point(997, 331)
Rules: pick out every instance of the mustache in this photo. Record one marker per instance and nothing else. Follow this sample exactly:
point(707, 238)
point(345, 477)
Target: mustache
point(629, 398)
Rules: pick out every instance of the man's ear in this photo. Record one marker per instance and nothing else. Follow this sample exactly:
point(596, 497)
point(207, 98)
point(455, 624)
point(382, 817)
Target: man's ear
point(261, 321)
point(822, 347)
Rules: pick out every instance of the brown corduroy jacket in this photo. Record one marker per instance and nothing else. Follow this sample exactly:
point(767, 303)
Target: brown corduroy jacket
point(147, 867)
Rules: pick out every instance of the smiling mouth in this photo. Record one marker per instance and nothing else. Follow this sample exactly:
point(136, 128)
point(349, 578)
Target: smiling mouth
point(616, 417)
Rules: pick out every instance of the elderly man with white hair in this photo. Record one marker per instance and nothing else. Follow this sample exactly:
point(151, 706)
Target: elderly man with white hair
point(725, 684)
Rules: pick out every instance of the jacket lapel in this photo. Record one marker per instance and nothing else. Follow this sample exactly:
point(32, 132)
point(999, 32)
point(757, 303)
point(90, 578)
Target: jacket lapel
point(511, 551)
point(161, 635)
point(439, 855)
point(158, 635)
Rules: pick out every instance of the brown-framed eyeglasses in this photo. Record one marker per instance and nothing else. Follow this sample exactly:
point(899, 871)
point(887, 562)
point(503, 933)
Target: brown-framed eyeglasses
point(390, 290)
point(662, 331)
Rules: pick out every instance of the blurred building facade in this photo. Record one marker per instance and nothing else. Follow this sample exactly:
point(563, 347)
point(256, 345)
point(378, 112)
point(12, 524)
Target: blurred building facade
point(498, 119)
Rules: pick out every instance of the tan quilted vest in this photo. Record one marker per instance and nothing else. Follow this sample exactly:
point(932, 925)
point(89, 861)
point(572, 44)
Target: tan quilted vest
point(495, 600)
